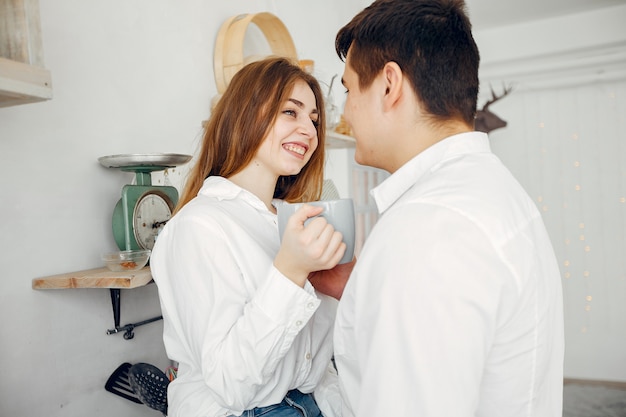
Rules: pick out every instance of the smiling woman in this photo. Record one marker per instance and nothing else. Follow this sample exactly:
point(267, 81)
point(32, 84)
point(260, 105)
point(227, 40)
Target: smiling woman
point(289, 145)
point(239, 314)
point(257, 101)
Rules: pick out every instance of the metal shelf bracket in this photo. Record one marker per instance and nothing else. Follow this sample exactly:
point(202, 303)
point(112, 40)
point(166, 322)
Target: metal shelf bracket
point(128, 329)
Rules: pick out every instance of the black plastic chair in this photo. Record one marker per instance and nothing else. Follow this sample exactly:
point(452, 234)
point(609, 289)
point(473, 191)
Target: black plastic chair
point(150, 385)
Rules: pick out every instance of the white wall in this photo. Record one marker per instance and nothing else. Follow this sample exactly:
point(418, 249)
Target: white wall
point(128, 77)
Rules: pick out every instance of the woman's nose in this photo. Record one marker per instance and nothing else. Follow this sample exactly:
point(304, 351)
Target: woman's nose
point(307, 127)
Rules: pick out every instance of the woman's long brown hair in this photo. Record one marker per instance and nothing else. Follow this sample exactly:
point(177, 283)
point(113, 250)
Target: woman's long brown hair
point(243, 118)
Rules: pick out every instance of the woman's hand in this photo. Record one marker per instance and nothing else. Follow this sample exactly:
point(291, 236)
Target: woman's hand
point(332, 281)
point(304, 249)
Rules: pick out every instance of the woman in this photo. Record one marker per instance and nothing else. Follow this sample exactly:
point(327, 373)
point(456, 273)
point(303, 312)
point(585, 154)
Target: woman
point(247, 329)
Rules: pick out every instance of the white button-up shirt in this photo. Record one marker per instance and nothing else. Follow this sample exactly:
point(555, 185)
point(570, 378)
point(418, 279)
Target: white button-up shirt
point(242, 333)
point(454, 308)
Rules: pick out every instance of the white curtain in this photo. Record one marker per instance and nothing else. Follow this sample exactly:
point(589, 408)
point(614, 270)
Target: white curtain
point(567, 147)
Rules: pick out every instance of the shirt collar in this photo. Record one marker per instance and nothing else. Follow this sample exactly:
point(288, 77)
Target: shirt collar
point(390, 190)
point(221, 188)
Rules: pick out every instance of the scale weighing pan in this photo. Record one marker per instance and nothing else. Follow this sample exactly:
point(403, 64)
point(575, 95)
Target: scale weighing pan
point(161, 160)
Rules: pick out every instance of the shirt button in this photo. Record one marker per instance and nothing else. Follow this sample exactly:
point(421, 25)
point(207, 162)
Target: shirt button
point(308, 356)
point(310, 306)
point(299, 323)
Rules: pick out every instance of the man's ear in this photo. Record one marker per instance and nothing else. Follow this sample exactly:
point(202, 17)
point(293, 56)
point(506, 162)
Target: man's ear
point(393, 77)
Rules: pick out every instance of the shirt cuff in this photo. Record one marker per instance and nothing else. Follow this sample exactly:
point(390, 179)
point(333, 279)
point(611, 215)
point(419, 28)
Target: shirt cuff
point(285, 302)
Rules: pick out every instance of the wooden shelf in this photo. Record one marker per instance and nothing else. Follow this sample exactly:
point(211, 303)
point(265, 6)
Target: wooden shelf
point(23, 78)
point(102, 278)
point(94, 278)
point(22, 83)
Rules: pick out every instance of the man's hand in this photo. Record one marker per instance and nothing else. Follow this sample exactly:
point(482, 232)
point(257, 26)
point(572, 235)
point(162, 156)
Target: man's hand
point(332, 281)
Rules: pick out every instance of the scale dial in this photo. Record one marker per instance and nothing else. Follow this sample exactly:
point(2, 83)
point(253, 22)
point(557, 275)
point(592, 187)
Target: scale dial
point(143, 210)
point(152, 211)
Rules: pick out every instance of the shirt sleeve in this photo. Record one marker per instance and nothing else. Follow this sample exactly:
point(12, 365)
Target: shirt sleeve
point(233, 335)
point(428, 292)
point(321, 333)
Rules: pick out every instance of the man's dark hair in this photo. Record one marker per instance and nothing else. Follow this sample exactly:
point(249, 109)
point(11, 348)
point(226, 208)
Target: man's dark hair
point(431, 41)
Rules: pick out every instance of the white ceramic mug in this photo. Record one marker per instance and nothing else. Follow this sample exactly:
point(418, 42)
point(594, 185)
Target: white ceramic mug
point(339, 213)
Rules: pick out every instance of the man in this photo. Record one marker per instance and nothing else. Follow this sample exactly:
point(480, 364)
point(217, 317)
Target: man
point(454, 307)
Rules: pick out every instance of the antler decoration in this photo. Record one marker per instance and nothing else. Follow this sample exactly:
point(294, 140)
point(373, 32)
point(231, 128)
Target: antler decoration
point(486, 121)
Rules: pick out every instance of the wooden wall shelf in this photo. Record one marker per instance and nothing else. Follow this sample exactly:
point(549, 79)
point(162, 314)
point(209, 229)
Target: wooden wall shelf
point(94, 278)
point(22, 83)
point(23, 78)
point(102, 278)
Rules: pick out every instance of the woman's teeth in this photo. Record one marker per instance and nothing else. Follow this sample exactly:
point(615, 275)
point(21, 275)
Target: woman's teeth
point(295, 148)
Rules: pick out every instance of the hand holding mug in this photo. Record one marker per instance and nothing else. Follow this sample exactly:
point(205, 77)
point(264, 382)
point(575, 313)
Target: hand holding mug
point(339, 213)
point(309, 243)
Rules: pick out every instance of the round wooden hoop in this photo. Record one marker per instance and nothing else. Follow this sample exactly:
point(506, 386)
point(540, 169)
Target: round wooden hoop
point(228, 56)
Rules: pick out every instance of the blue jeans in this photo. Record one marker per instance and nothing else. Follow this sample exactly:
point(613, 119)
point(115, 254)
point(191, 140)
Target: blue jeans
point(295, 404)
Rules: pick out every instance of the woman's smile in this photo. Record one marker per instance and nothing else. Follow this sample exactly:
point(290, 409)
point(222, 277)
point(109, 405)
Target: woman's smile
point(297, 148)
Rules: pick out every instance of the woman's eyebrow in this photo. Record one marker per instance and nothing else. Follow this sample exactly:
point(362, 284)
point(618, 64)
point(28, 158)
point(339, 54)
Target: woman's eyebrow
point(301, 105)
point(297, 102)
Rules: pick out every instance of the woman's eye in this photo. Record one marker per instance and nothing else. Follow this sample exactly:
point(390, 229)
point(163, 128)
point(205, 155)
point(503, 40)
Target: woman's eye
point(316, 123)
point(290, 113)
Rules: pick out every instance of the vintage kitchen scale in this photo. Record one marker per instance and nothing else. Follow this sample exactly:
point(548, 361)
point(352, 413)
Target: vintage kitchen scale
point(144, 208)
point(140, 213)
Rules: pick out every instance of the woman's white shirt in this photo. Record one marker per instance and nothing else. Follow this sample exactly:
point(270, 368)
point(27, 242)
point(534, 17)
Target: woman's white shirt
point(242, 333)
